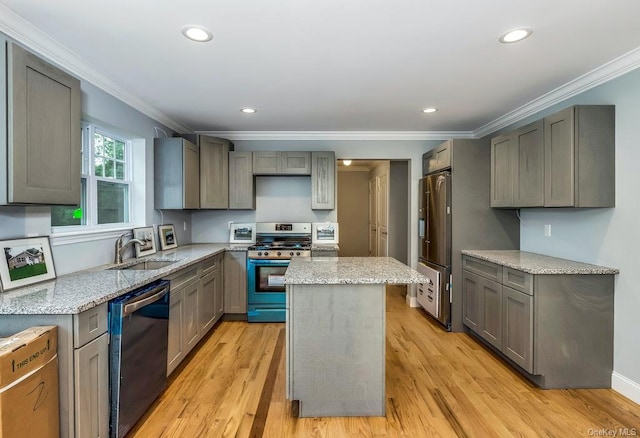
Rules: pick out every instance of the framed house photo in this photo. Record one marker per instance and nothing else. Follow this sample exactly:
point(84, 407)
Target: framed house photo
point(26, 261)
point(167, 237)
point(146, 235)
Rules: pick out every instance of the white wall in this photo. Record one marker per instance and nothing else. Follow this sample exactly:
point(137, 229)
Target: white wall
point(607, 236)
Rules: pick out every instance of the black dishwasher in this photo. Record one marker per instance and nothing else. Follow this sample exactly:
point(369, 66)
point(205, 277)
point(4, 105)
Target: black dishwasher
point(139, 325)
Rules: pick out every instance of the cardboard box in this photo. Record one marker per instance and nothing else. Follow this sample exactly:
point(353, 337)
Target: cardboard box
point(29, 384)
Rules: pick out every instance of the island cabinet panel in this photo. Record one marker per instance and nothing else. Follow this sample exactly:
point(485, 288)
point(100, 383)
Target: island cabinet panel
point(323, 180)
point(335, 366)
point(42, 143)
point(241, 182)
point(235, 282)
point(556, 329)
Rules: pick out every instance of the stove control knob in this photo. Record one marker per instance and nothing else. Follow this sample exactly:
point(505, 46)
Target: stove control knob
point(279, 253)
point(259, 253)
point(291, 253)
point(298, 253)
point(266, 253)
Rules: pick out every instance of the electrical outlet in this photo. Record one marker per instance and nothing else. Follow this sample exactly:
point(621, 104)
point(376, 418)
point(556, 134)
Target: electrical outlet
point(547, 230)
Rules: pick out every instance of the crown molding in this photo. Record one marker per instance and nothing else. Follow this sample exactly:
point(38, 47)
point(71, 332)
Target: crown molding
point(606, 72)
point(339, 135)
point(22, 31)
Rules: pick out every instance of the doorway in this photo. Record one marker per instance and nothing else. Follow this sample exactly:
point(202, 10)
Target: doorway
point(373, 208)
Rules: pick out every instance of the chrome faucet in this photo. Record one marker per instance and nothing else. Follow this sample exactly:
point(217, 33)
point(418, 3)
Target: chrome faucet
point(120, 248)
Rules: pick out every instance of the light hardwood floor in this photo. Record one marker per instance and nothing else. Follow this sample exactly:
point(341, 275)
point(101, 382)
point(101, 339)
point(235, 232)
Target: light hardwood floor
point(438, 384)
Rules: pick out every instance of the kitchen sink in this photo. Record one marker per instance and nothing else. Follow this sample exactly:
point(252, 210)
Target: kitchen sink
point(145, 265)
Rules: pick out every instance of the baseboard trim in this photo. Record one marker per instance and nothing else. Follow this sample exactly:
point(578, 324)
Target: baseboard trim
point(626, 387)
point(411, 301)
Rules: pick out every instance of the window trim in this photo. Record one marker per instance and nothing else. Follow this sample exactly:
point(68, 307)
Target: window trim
point(61, 235)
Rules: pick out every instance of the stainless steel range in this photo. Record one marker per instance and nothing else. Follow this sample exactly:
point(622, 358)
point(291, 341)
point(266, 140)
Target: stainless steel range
point(267, 261)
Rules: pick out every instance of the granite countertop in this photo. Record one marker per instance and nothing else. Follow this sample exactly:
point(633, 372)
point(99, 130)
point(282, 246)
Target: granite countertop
point(325, 247)
point(350, 270)
point(537, 263)
point(79, 291)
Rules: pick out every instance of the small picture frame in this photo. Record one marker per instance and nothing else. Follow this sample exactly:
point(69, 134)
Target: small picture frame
point(145, 234)
point(26, 261)
point(167, 236)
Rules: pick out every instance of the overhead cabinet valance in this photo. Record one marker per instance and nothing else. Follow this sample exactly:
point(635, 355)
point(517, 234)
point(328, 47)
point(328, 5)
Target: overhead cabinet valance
point(564, 160)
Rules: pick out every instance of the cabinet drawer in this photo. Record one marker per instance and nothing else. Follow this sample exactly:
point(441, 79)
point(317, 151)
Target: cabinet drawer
point(89, 324)
point(211, 264)
point(486, 269)
point(518, 280)
point(183, 277)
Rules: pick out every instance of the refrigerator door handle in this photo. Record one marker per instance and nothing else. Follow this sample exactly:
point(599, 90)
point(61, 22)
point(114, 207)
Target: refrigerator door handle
point(421, 227)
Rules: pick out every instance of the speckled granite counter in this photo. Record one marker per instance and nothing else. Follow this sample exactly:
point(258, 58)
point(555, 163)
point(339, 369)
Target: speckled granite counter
point(536, 263)
point(76, 292)
point(328, 247)
point(350, 270)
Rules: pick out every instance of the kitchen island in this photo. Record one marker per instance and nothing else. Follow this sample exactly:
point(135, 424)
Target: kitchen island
point(335, 323)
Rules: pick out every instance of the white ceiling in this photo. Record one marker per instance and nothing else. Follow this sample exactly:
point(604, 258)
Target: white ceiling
point(330, 65)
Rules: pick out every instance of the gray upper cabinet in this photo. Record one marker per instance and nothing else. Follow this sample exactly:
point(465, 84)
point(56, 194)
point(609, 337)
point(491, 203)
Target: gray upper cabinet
point(176, 174)
point(323, 180)
point(281, 163)
point(241, 181)
point(563, 160)
point(517, 171)
point(579, 148)
point(214, 168)
point(43, 137)
point(438, 158)
point(502, 160)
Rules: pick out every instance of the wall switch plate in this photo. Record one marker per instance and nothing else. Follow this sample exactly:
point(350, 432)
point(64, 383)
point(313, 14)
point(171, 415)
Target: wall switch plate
point(547, 230)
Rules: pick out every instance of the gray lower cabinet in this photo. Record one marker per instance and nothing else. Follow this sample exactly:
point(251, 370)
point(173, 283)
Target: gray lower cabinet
point(323, 180)
point(210, 295)
point(183, 326)
point(235, 282)
point(281, 163)
point(556, 328)
point(176, 174)
point(241, 181)
point(83, 358)
point(91, 386)
point(42, 141)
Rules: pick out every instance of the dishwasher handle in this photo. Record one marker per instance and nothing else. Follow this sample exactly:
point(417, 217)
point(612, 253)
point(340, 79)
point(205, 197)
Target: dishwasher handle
point(145, 299)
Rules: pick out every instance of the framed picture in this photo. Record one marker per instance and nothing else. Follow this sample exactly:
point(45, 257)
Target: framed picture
point(26, 261)
point(147, 236)
point(167, 237)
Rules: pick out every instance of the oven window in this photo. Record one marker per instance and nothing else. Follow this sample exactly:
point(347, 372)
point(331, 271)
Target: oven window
point(270, 278)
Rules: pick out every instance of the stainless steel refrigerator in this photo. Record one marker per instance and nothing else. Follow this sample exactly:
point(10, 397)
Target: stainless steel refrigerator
point(434, 249)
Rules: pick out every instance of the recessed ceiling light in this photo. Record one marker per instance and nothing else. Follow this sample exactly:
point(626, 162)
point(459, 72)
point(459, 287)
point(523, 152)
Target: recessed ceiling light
point(346, 162)
point(515, 35)
point(249, 110)
point(429, 110)
point(197, 33)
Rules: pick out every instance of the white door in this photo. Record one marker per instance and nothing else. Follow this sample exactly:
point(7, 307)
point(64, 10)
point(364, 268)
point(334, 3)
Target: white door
point(373, 217)
point(383, 214)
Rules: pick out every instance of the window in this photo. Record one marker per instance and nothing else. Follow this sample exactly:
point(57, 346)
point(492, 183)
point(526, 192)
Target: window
point(105, 184)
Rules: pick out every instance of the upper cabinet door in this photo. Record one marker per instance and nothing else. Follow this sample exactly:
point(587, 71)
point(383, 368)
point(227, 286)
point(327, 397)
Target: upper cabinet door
point(323, 180)
point(44, 137)
point(502, 158)
point(294, 163)
point(529, 179)
point(559, 151)
point(241, 181)
point(265, 163)
point(191, 169)
point(214, 172)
